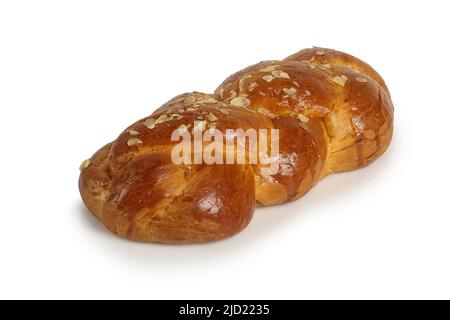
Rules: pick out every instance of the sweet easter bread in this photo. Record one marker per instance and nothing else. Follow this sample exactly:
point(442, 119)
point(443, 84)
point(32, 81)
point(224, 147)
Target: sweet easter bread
point(332, 111)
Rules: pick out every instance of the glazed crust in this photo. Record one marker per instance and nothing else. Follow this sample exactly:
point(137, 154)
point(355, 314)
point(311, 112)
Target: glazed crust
point(333, 113)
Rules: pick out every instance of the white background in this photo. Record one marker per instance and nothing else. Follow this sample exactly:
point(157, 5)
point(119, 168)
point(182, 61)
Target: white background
point(74, 74)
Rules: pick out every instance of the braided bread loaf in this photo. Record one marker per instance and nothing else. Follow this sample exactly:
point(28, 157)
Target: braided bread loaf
point(333, 113)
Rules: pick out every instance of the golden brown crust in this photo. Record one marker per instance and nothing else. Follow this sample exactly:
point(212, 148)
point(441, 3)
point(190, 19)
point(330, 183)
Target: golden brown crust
point(333, 113)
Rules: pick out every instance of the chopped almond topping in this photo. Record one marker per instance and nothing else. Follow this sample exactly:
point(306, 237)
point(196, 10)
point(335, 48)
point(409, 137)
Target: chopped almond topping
point(269, 68)
point(211, 117)
point(240, 101)
point(268, 78)
point(189, 100)
point(150, 123)
point(206, 99)
point(340, 80)
point(360, 79)
point(302, 118)
point(289, 91)
point(320, 52)
point(241, 84)
point(163, 118)
point(252, 86)
point(224, 111)
point(280, 74)
point(133, 132)
point(133, 142)
point(242, 81)
point(266, 112)
point(307, 93)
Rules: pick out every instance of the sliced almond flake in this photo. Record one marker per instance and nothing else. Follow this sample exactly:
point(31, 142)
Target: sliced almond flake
point(311, 60)
point(190, 110)
point(241, 84)
point(242, 81)
point(301, 103)
point(240, 101)
point(180, 110)
point(307, 93)
point(221, 93)
point(224, 111)
point(233, 94)
point(179, 117)
point(296, 84)
point(302, 118)
point(312, 66)
point(200, 118)
point(163, 118)
point(182, 129)
point(196, 105)
point(320, 52)
point(134, 132)
point(290, 91)
point(268, 78)
point(326, 65)
point(261, 93)
point(134, 141)
point(251, 110)
point(212, 117)
point(269, 68)
point(280, 74)
point(266, 112)
point(206, 99)
point(252, 86)
point(340, 80)
point(85, 164)
point(360, 79)
point(189, 100)
point(150, 123)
